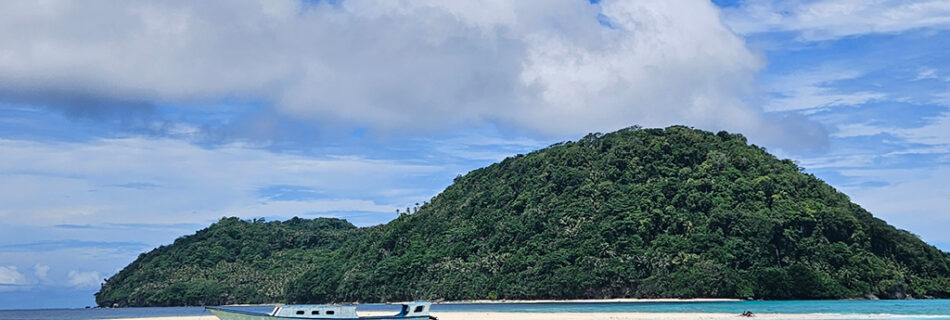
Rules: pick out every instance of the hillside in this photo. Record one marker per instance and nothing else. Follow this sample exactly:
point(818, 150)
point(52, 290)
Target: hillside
point(672, 212)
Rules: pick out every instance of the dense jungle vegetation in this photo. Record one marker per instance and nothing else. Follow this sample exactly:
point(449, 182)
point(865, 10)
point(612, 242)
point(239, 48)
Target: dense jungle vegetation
point(673, 212)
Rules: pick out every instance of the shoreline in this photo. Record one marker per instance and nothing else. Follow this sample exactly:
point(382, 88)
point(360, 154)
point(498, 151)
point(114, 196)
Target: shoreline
point(605, 315)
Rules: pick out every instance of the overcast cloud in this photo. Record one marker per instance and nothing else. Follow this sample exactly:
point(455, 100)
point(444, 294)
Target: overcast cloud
point(552, 68)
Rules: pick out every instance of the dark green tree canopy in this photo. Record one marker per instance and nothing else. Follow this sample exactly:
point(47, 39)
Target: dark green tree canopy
point(673, 212)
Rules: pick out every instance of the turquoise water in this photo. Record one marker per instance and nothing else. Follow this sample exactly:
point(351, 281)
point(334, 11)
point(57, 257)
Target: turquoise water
point(904, 309)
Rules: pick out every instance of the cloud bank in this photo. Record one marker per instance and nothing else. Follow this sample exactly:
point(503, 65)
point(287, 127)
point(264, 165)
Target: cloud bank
point(554, 68)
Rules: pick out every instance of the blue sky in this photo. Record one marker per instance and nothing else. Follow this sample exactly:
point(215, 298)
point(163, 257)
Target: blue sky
point(153, 120)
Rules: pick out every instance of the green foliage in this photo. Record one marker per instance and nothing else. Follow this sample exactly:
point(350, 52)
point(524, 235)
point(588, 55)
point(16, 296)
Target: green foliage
point(232, 261)
point(672, 212)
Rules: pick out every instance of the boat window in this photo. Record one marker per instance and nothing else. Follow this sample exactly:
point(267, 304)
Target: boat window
point(405, 309)
point(330, 312)
point(418, 309)
point(299, 311)
point(315, 312)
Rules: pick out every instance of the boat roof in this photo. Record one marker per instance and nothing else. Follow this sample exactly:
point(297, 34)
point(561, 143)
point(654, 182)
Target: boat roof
point(408, 303)
point(314, 306)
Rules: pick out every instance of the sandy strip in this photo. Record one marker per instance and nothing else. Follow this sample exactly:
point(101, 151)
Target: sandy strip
point(624, 300)
point(600, 316)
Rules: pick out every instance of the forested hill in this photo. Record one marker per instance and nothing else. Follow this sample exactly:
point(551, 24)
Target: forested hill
point(672, 212)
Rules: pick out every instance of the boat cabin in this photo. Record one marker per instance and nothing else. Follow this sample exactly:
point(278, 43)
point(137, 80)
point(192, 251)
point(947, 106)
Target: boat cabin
point(315, 311)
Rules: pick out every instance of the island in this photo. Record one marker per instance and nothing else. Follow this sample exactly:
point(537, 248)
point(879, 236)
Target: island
point(637, 213)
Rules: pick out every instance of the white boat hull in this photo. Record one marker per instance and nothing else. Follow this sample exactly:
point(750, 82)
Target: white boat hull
point(239, 315)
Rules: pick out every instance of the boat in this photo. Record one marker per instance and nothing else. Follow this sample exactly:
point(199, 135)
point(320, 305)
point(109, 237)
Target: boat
point(410, 310)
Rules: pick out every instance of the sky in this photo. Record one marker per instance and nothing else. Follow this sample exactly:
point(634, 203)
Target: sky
point(124, 125)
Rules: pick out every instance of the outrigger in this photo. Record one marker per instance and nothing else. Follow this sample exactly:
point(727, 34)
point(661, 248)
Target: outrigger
point(410, 310)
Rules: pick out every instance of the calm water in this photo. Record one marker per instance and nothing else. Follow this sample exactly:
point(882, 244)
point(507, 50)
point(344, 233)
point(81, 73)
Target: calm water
point(907, 309)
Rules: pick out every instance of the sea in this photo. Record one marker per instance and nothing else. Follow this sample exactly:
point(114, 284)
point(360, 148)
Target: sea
point(898, 309)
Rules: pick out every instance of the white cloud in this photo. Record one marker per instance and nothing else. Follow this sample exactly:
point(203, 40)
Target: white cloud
point(10, 276)
point(41, 271)
point(926, 73)
point(47, 183)
point(933, 133)
point(831, 19)
point(548, 67)
point(857, 129)
point(811, 90)
point(666, 62)
point(837, 161)
point(84, 279)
